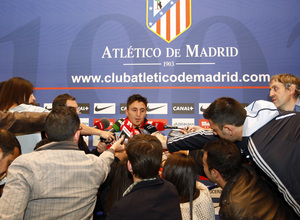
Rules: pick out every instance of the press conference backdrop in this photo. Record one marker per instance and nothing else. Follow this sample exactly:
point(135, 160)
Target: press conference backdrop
point(180, 54)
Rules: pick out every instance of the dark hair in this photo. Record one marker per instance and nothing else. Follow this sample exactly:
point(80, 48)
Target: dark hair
point(122, 179)
point(41, 143)
point(15, 90)
point(145, 154)
point(197, 155)
point(225, 157)
point(61, 100)
point(224, 111)
point(61, 124)
point(136, 97)
point(181, 170)
point(8, 142)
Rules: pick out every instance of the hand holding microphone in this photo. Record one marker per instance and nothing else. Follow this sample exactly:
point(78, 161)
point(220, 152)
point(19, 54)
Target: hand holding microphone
point(102, 124)
point(126, 130)
point(102, 146)
point(118, 145)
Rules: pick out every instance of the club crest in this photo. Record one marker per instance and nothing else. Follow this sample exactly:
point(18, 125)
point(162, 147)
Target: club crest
point(168, 18)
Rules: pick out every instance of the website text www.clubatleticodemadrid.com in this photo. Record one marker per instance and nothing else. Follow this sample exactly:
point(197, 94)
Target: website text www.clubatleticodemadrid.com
point(173, 78)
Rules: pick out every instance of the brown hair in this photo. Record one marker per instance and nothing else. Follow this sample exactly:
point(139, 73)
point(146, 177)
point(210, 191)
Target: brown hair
point(8, 142)
point(136, 97)
point(61, 100)
point(145, 154)
point(15, 91)
point(61, 124)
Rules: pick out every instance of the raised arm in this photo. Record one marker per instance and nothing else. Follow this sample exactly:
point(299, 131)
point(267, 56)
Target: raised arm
point(23, 122)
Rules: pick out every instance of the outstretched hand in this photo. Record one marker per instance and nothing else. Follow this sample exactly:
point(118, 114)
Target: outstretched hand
point(107, 135)
point(118, 146)
point(162, 139)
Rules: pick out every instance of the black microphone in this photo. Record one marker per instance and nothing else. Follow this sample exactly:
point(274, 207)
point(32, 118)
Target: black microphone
point(170, 127)
point(149, 129)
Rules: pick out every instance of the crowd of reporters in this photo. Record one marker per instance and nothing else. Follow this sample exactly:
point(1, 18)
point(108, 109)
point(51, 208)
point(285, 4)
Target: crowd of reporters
point(141, 175)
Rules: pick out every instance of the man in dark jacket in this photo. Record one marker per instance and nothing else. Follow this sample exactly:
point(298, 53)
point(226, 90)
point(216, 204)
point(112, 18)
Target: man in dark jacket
point(149, 197)
point(269, 139)
point(244, 195)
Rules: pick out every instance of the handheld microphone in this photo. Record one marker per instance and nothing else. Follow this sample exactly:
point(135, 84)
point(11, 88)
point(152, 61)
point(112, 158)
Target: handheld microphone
point(116, 126)
point(160, 126)
point(102, 124)
point(170, 127)
point(126, 129)
point(150, 129)
point(135, 131)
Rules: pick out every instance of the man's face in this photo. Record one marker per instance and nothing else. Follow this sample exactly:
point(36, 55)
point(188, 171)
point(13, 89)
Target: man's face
point(217, 131)
point(205, 168)
point(280, 95)
point(7, 160)
point(223, 133)
point(72, 103)
point(136, 113)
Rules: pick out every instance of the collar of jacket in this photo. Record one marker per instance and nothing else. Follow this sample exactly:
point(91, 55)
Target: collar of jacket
point(60, 145)
point(142, 184)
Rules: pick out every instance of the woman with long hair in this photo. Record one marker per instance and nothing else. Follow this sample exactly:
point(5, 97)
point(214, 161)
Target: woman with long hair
point(121, 180)
point(195, 200)
point(17, 95)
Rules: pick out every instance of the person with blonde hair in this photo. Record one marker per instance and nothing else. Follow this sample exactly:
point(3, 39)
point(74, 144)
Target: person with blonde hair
point(284, 92)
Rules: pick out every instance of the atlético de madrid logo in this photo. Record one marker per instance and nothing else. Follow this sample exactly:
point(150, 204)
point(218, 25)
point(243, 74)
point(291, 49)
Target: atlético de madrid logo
point(169, 18)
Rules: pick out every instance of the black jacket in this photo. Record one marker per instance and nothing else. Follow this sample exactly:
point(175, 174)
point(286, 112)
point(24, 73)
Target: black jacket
point(274, 148)
point(148, 200)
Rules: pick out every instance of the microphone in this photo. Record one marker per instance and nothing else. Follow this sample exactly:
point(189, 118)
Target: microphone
point(135, 131)
point(150, 129)
point(160, 126)
point(171, 127)
point(126, 129)
point(117, 125)
point(102, 124)
point(115, 128)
